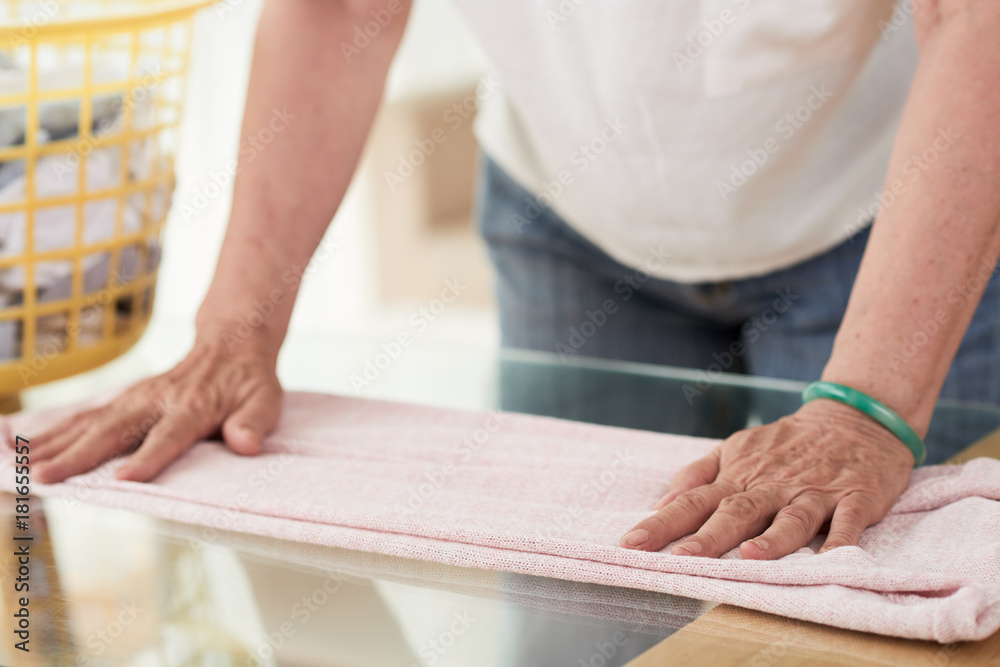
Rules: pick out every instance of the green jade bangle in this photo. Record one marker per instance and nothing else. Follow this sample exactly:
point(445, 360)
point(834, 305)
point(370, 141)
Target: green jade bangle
point(874, 409)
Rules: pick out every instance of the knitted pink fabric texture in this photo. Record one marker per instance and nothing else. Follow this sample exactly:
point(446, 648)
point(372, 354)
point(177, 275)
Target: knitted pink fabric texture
point(549, 497)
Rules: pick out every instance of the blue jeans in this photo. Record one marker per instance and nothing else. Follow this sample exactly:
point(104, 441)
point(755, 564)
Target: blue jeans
point(560, 293)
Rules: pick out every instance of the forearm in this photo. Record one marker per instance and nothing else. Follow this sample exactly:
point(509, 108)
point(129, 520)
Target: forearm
point(922, 274)
point(287, 192)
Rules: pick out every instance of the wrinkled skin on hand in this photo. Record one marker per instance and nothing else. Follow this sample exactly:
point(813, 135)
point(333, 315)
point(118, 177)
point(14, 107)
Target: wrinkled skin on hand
point(771, 489)
point(213, 391)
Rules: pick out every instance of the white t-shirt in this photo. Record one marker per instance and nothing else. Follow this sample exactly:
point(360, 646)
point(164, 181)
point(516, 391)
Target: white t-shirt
point(739, 136)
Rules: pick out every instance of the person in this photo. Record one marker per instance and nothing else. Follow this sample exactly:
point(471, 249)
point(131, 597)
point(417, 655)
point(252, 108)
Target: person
point(683, 168)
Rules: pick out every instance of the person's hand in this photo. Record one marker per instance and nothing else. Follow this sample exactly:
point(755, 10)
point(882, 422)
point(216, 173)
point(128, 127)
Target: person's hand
point(770, 489)
point(213, 389)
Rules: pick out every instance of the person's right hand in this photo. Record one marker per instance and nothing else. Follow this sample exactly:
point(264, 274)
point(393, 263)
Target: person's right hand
point(212, 390)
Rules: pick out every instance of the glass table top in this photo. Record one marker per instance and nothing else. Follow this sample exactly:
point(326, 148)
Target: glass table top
point(114, 588)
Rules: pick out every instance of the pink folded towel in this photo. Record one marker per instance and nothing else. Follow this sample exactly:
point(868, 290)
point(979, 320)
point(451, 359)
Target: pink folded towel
point(548, 497)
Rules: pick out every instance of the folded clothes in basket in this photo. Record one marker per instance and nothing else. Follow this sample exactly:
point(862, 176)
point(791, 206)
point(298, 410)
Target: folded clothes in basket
point(57, 175)
point(548, 497)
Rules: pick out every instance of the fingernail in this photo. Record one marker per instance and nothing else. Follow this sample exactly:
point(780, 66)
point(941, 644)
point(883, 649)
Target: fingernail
point(636, 538)
point(760, 543)
point(686, 549)
point(123, 473)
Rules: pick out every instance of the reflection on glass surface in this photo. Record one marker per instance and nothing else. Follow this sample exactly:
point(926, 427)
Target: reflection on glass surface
point(114, 588)
point(110, 587)
point(686, 402)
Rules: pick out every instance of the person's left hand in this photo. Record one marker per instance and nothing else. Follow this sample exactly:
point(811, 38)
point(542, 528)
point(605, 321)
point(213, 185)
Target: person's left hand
point(770, 489)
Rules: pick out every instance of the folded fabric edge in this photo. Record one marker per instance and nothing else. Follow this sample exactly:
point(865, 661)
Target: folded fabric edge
point(986, 619)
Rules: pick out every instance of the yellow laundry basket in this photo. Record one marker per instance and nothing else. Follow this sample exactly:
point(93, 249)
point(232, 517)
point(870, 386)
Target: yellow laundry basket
point(90, 102)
